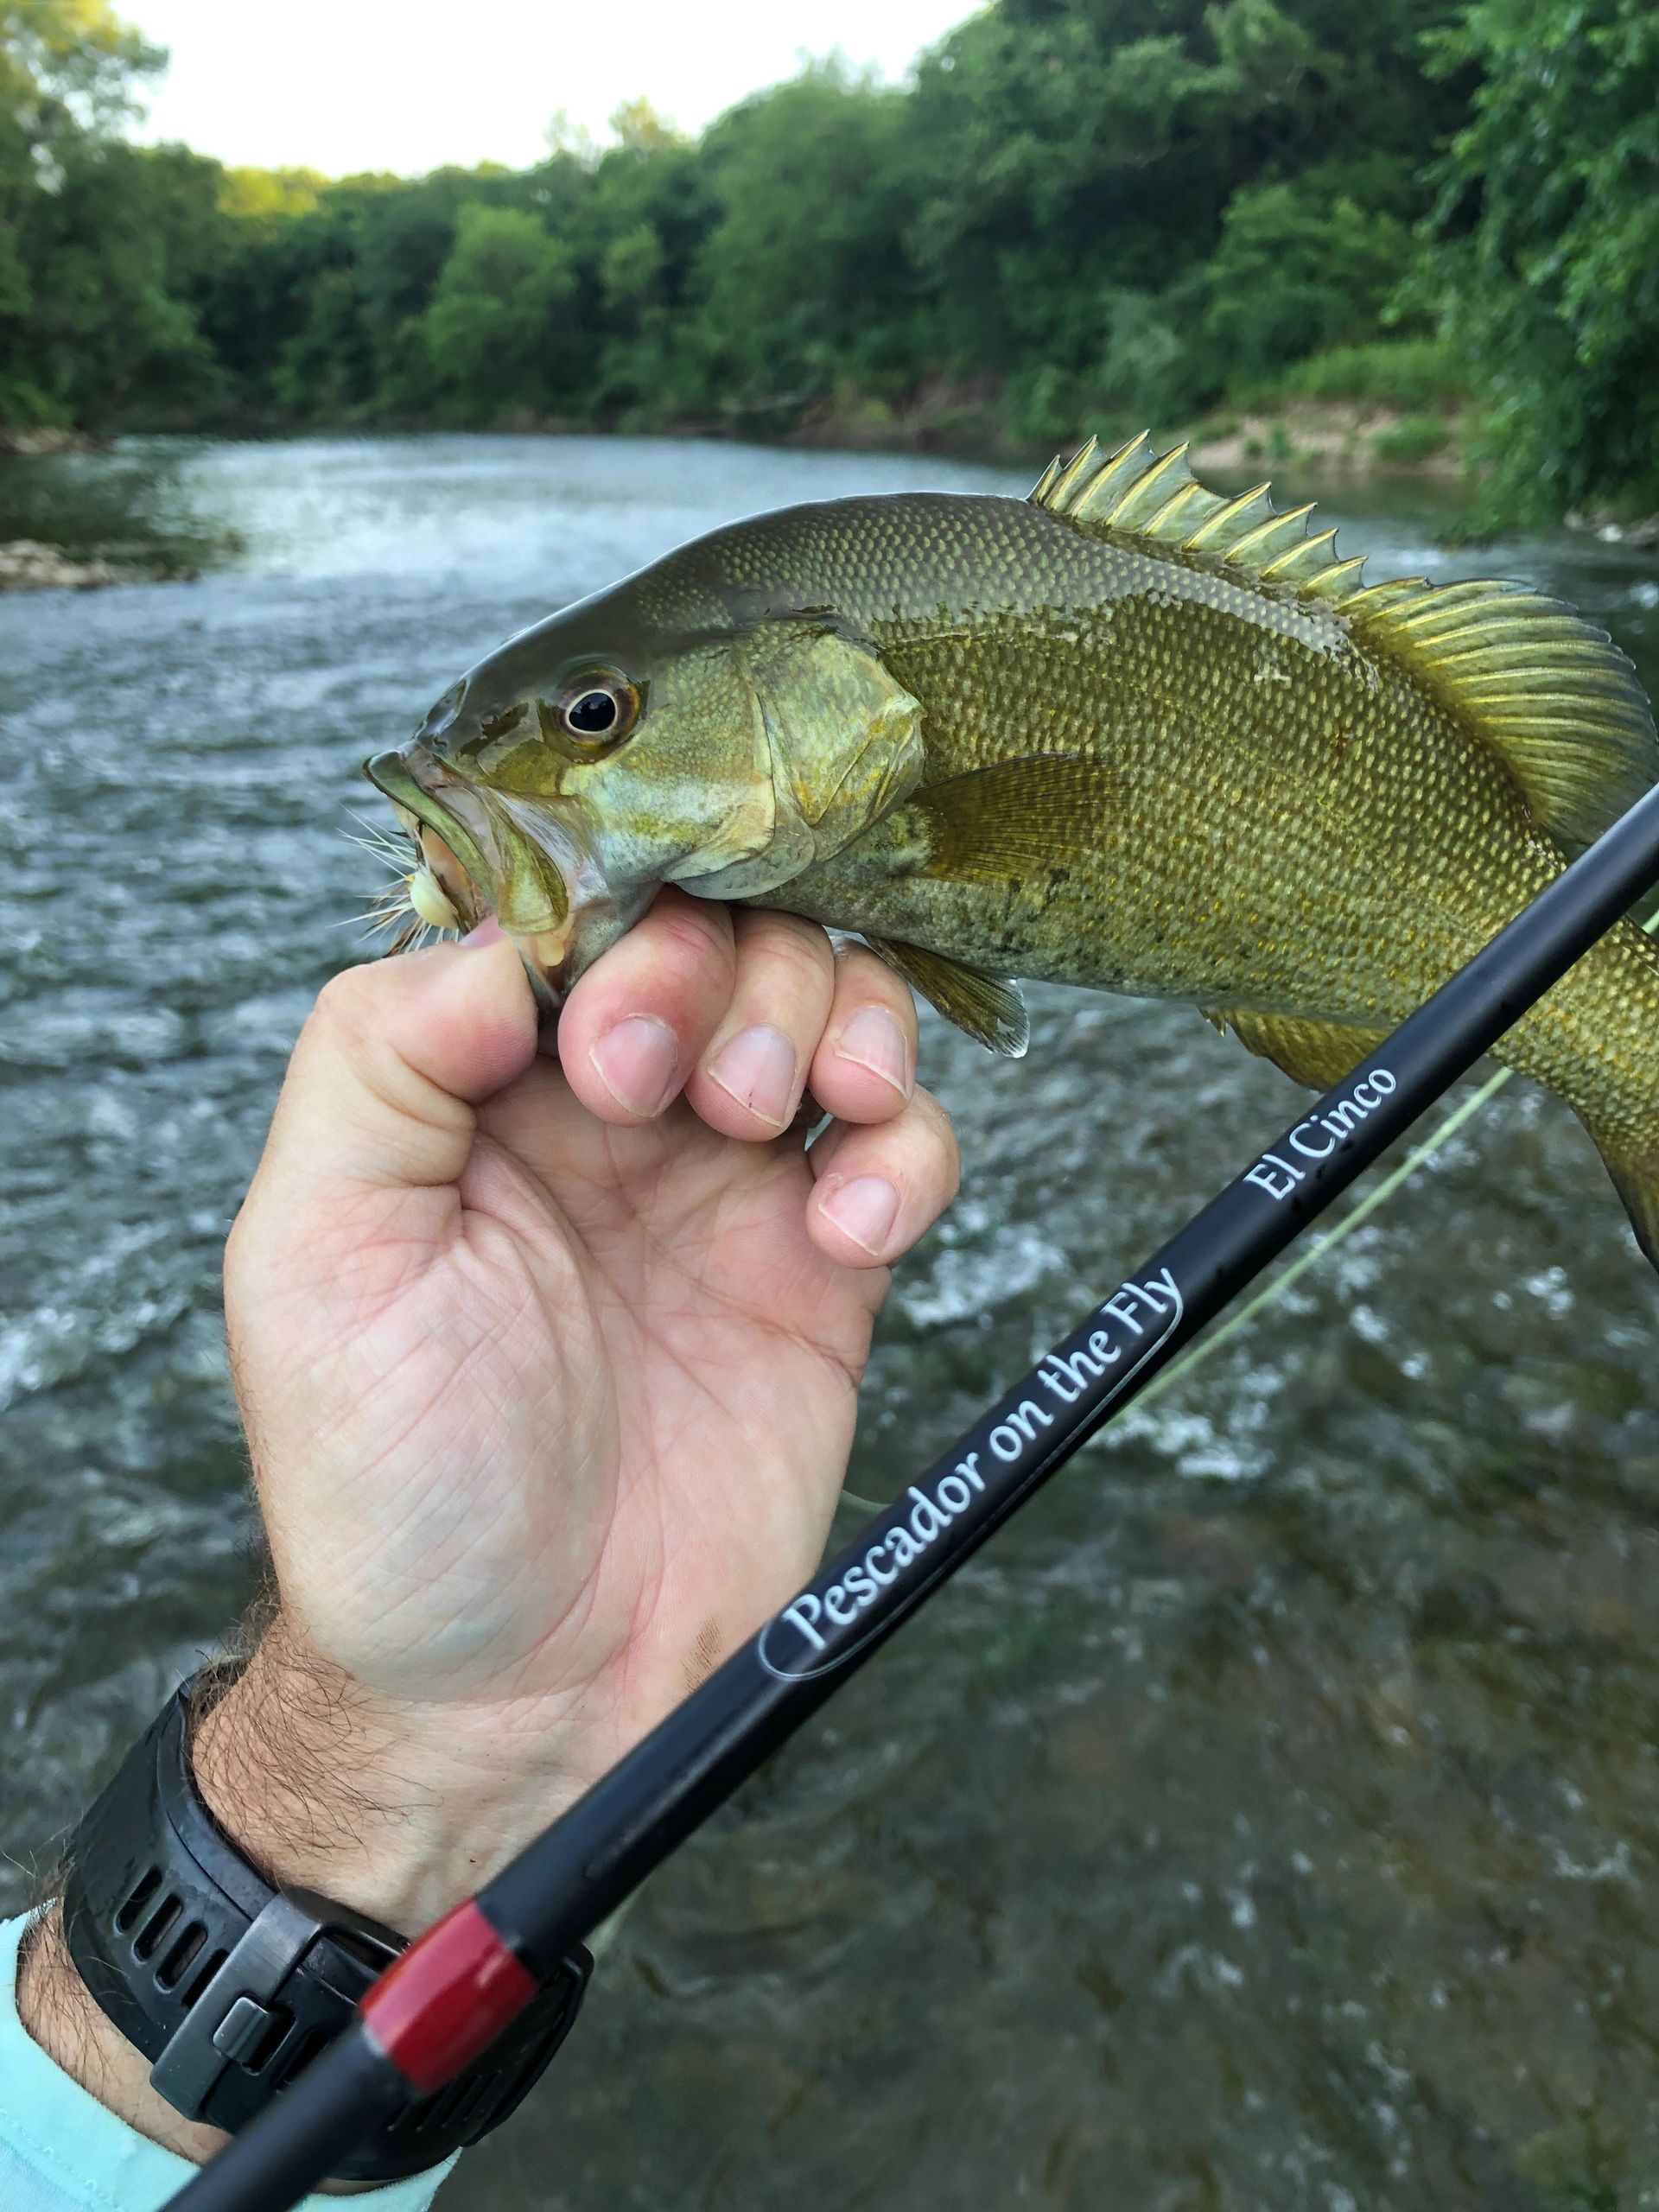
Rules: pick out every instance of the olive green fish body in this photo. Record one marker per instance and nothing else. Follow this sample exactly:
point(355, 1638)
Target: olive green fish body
point(1127, 733)
point(1218, 725)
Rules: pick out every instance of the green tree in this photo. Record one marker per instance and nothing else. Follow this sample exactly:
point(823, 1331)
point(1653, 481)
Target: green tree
point(492, 329)
point(1077, 160)
point(1298, 269)
point(630, 269)
point(637, 236)
point(1080, 213)
point(68, 68)
point(803, 280)
point(70, 73)
point(1547, 270)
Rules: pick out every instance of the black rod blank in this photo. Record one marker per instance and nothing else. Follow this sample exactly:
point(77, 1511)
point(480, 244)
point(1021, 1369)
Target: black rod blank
point(568, 1879)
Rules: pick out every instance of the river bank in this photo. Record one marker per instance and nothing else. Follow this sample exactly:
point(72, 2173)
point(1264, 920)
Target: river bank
point(1345, 440)
point(31, 444)
point(1365, 449)
point(27, 565)
point(1319, 447)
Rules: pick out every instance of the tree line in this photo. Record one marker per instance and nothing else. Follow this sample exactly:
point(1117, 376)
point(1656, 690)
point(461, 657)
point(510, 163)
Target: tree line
point(1078, 214)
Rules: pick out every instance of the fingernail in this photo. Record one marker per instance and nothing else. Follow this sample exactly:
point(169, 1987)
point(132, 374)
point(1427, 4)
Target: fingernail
point(864, 1210)
point(757, 1068)
point(489, 932)
point(874, 1039)
point(638, 1062)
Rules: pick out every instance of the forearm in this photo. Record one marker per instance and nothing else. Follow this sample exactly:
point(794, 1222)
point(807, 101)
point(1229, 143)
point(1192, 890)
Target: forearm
point(54, 2007)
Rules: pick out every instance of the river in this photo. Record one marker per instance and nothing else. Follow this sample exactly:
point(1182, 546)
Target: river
point(1266, 1822)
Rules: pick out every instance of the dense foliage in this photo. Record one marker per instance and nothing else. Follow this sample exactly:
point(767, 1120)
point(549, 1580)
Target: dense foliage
point(1080, 212)
point(1555, 285)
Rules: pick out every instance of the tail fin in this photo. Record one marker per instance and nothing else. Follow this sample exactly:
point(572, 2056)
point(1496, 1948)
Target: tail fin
point(1637, 1181)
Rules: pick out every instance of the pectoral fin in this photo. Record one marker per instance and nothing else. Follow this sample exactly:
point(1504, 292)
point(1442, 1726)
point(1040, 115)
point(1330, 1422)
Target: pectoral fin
point(1317, 1054)
point(1041, 811)
point(990, 1010)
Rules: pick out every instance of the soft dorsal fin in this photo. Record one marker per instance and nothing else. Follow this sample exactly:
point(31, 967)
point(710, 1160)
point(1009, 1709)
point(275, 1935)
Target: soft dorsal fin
point(1547, 690)
point(1553, 697)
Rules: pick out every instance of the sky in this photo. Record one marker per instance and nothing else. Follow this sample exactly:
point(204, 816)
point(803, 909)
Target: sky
point(349, 84)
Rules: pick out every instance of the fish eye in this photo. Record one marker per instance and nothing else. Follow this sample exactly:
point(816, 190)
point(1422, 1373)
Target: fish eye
point(596, 711)
point(592, 714)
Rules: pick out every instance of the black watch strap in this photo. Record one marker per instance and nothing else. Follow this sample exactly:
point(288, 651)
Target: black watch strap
point(230, 1987)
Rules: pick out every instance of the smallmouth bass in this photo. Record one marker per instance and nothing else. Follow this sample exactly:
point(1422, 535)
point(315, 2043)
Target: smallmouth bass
point(1127, 733)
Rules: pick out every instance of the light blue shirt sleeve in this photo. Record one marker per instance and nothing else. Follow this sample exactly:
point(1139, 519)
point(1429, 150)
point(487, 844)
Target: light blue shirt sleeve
point(61, 2152)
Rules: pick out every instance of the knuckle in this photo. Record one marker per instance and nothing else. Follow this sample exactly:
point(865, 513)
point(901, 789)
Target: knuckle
point(690, 935)
point(801, 982)
point(942, 1138)
point(350, 1001)
point(767, 925)
point(855, 962)
point(933, 1116)
point(236, 1247)
point(784, 942)
point(342, 996)
point(862, 973)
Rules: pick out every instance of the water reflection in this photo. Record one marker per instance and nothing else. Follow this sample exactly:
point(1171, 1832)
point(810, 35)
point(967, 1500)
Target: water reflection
point(136, 508)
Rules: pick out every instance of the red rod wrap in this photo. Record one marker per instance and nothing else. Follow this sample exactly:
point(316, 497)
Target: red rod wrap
point(447, 1999)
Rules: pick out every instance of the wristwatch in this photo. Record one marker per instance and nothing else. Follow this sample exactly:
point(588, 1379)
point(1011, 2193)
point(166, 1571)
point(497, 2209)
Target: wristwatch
point(230, 1987)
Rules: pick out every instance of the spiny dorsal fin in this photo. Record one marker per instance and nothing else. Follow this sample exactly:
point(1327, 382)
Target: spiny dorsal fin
point(1557, 702)
point(989, 1009)
point(1155, 497)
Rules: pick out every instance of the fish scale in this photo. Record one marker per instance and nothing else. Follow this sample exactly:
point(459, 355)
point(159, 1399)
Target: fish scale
point(1129, 733)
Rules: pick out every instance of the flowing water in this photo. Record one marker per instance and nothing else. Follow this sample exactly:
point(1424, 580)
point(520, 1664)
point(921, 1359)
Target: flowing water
point(1268, 1821)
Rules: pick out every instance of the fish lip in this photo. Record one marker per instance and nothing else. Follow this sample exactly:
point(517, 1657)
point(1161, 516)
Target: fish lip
point(472, 823)
point(395, 776)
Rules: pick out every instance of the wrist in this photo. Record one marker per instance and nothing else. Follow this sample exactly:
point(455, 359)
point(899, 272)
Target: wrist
point(182, 1994)
point(398, 1810)
point(60, 2014)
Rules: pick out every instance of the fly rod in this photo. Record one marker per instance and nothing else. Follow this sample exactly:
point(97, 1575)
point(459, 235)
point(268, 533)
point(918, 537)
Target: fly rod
point(456, 1989)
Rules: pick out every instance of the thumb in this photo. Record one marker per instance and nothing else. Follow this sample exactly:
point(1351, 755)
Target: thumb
point(382, 1085)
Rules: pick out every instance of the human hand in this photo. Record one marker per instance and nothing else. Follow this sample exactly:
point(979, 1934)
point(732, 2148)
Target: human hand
point(548, 1371)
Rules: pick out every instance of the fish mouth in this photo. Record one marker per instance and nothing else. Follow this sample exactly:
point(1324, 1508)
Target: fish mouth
point(446, 845)
point(493, 853)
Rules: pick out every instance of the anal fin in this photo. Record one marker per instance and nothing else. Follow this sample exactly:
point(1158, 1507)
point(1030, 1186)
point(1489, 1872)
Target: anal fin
point(990, 1010)
point(1635, 1178)
point(1317, 1054)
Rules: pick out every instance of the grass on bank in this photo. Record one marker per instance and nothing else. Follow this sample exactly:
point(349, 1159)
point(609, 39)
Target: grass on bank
point(1396, 405)
point(1415, 375)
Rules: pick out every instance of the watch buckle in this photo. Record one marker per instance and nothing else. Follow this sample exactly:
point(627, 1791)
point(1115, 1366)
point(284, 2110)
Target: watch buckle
point(229, 2019)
